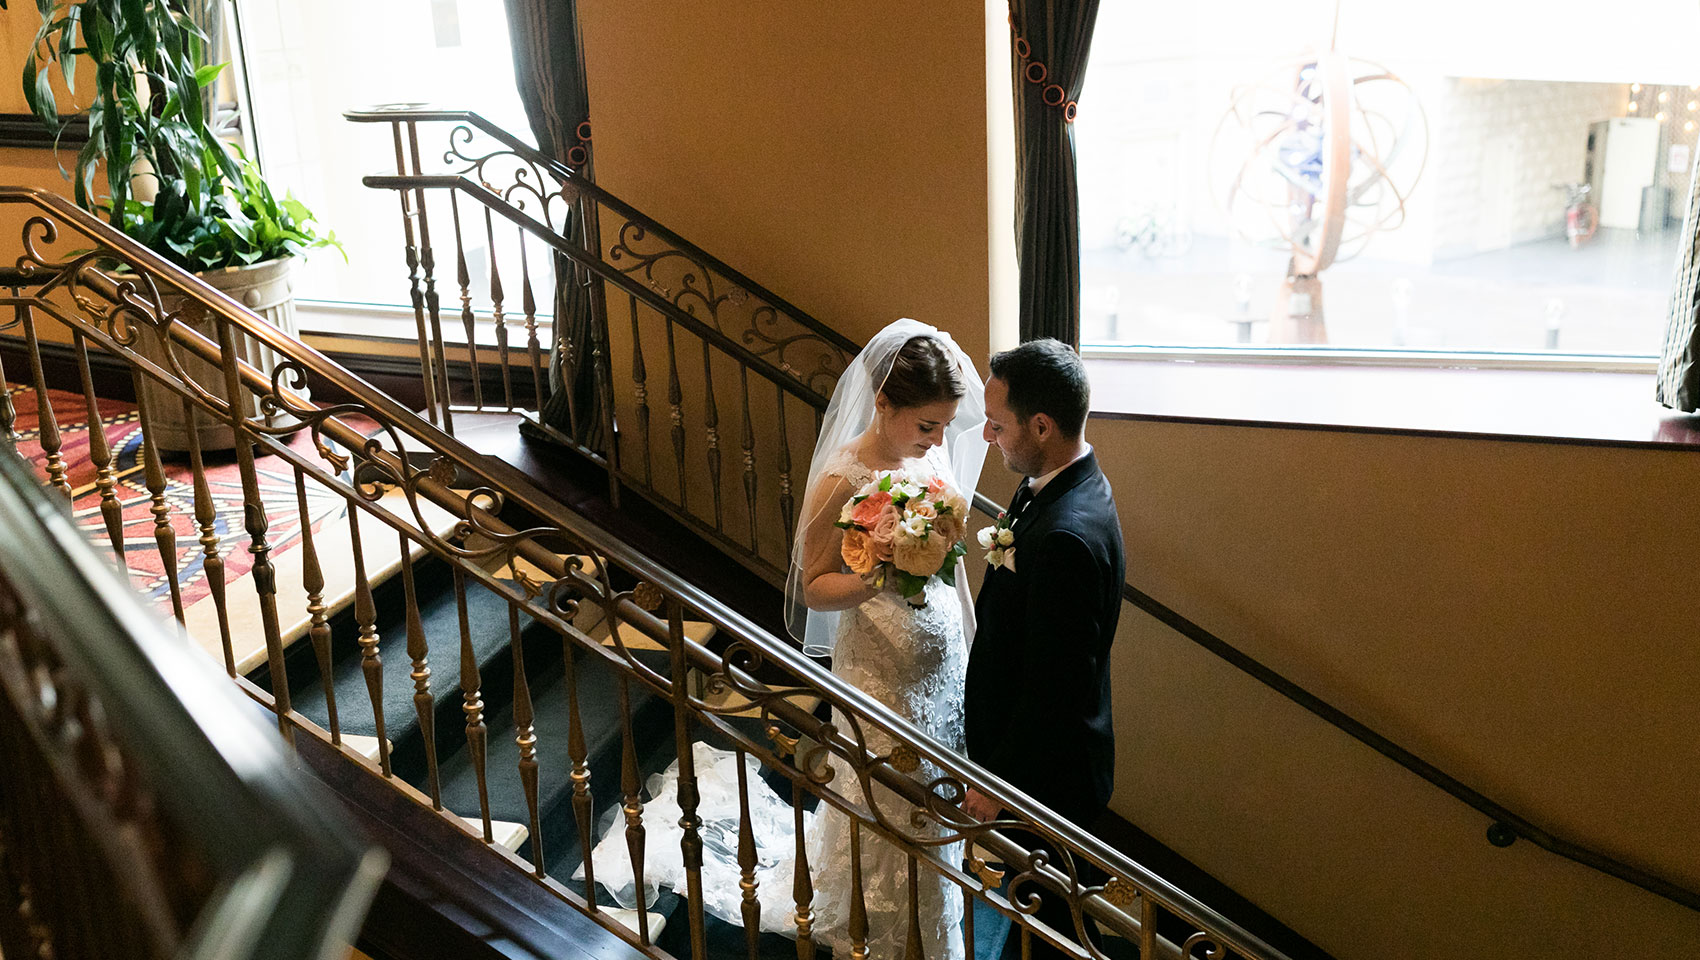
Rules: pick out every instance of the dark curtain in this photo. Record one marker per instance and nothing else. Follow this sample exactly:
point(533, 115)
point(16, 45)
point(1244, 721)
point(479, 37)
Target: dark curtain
point(1679, 363)
point(1051, 40)
point(549, 71)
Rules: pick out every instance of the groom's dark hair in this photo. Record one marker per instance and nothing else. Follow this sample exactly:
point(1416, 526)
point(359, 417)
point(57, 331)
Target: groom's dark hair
point(1046, 376)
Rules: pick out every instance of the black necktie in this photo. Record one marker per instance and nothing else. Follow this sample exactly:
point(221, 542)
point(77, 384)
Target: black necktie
point(1023, 497)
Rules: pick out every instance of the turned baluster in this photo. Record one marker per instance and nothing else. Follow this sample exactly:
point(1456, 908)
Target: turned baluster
point(433, 301)
point(751, 907)
point(47, 424)
point(534, 348)
point(496, 313)
point(802, 888)
point(711, 422)
point(206, 518)
point(578, 751)
point(366, 618)
point(1147, 925)
point(416, 294)
point(477, 737)
point(912, 949)
point(261, 572)
point(424, 704)
point(675, 403)
point(153, 475)
point(8, 413)
point(318, 625)
point(100, 454)
point(640, 390)
point(464, 277)
point(749, 458)
point(858, 904)
point(525, 737)
point(690, 844)
point(633, 806)
point(787, 503)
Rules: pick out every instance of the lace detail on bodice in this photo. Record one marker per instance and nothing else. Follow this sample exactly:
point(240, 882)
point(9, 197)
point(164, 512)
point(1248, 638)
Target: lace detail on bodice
point(915, 661)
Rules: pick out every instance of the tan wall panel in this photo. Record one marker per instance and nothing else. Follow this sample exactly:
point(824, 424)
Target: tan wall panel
point(18, 26)
point(834, 152)
point(1518, 614)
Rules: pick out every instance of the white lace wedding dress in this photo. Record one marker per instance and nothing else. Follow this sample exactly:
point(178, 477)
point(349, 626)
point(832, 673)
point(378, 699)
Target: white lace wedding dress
point(913, 660)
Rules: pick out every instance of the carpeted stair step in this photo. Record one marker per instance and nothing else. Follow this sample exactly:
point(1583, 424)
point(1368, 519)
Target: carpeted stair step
point(599, 708)
point(488, 628)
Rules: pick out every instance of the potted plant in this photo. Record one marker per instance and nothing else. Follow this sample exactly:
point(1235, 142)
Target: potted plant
point(170, 182)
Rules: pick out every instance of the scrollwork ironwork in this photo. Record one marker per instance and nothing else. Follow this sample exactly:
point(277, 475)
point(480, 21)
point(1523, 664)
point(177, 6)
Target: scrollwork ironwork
point(690, 284)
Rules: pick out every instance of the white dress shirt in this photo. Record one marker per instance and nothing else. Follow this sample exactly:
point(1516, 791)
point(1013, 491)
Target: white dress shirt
point(1038, 483)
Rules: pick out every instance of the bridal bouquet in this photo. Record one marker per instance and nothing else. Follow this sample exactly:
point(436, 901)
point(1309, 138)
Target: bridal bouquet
point(904, 531)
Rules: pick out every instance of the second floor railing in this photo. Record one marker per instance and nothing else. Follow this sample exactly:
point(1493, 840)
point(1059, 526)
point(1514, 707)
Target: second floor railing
point(676, 302)
point(619, 625)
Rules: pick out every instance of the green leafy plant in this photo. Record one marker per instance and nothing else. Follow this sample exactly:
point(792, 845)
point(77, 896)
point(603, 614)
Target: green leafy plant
point(244, 223)
point(149, 118)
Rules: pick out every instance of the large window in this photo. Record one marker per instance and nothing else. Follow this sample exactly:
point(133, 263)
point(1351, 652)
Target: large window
point(309, 60)
point(1514, 179)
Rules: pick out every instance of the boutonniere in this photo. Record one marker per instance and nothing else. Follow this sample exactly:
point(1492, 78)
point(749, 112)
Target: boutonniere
point(997, 541)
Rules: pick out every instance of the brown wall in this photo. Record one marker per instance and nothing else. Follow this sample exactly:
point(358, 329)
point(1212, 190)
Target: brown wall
point(1519, 614)
point(835, 152)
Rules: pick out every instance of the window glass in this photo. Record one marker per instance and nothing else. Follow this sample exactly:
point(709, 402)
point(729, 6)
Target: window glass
point(309, 60)
point(1471, 176)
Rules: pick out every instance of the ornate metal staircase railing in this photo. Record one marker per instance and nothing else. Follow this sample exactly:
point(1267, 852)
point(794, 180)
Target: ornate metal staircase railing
point(672, 285)
point(602, 602)
point(146, 812)
point(706, 388)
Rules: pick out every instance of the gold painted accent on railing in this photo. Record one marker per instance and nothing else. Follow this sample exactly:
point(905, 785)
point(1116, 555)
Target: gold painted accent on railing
point(905, 759)
point(1120, 892)
point(647, 596)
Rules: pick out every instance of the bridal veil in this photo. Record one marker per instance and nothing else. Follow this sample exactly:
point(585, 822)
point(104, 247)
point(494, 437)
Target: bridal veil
point(848, 414)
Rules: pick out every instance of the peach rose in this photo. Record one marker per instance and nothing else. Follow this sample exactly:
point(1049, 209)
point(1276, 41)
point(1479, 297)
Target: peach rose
point(937, 487)
point(858, 553)
point(922, 557)
point(922, 508)
point(882, 549)
point(950, 527)
point(884, 528)
point(867, 513)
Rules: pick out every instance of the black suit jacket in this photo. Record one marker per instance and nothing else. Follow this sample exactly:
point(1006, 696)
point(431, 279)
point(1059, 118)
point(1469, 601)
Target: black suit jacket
point(1038, 697)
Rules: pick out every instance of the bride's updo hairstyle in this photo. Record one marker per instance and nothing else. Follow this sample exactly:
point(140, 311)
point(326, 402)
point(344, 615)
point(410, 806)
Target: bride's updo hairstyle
point(922, 371)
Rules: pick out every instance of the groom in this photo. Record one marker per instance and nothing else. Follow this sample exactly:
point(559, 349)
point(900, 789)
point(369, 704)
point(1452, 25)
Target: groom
point(1038, 689)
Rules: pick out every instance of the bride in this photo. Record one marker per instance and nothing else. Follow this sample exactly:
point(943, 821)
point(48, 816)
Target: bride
point(911, 400)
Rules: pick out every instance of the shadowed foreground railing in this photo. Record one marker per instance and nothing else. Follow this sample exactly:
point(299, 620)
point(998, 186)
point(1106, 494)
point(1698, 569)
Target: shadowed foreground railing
point(679, 298)
point(557, 579)
point(146, 811)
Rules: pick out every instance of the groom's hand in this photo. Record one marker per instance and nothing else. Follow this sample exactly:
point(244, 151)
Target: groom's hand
point(980, 807)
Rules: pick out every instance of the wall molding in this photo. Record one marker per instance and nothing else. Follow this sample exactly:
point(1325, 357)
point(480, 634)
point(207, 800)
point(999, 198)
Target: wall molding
point(26, 130)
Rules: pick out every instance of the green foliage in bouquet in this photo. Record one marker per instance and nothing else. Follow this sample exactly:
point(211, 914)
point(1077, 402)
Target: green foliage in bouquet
point(148, 117)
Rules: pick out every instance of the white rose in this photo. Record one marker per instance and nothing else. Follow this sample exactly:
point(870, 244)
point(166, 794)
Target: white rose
point(987, 536)
point(1006, 536)
point(915, 527)
point(995, 558)
point(906, 489)
point(844, 515)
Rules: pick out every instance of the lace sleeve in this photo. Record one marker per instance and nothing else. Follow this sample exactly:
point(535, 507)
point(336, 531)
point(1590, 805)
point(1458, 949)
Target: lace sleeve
point(844, 465)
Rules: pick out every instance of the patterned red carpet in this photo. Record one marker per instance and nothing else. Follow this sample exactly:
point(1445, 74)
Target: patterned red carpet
point(148, 570)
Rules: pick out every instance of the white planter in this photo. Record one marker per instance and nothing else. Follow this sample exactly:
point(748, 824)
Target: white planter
point(264, 288)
